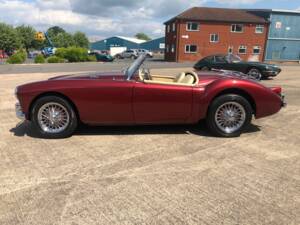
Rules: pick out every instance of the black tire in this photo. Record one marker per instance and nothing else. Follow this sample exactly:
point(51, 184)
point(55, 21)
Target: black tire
point(254, 73)
point(71, 126)
point(118, 57)
point(133, 57)
point(218, 102)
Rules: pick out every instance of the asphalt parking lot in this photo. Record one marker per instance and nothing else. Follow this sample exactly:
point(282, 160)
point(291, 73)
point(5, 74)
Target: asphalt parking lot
point(150, 175)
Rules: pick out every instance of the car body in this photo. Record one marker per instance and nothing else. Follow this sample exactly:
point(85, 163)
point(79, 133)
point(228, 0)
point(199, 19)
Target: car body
point(232, 62)
point(148, 53)
point(3, 54)
point(102, 57)
point(128, 54)
point(136, 97)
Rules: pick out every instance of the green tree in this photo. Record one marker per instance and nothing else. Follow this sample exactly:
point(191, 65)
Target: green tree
point(27, 36)
point(142, 36)
point(54, 31)
point(9, 40)
point(63, 40)
point(81, 40)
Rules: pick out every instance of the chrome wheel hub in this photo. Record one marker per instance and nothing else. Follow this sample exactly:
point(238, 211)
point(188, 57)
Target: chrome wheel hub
point(255, 74)
point(53, 117)
point(230, 117)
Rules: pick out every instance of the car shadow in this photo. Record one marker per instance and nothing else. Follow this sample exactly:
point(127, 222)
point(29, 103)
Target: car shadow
point(26, 129)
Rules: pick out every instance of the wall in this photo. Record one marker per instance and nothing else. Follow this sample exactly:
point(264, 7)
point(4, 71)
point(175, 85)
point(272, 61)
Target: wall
point(113, 42)
point(226, 38)
point(284, 37)
point(153, 45)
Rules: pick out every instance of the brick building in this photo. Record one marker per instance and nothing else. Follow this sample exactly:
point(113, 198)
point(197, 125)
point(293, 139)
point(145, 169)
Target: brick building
point(201, 31)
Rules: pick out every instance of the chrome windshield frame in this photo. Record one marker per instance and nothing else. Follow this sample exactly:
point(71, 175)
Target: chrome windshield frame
point(134, 67)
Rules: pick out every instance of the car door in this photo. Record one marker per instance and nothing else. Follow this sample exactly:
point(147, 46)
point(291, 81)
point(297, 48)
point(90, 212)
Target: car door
point(105, 101)
point(160, 103)
point(219, 63)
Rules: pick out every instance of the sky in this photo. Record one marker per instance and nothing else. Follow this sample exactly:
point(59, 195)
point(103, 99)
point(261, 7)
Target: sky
point(105, 18)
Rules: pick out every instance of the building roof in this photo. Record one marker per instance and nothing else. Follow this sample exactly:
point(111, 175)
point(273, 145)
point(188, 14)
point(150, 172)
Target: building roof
point(219, 15)
point(135, 40)
point(276, 11)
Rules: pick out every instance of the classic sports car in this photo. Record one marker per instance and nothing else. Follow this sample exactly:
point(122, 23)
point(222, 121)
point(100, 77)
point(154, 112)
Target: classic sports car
point(136, 96)
point(232, 62)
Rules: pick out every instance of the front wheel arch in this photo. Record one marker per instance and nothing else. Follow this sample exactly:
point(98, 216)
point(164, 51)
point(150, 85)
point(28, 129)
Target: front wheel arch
point(57, 94)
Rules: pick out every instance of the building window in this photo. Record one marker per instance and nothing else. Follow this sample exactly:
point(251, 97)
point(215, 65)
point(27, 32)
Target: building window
point(168, 28)
point(259, 29)
point(167, 48)
point(173, 48)
point(214, 38)
point(191, 49)
point(192, 26)
point(242, 49)
point(237, 28)
point(230, 50)
point(256, 50)
point(173, 27)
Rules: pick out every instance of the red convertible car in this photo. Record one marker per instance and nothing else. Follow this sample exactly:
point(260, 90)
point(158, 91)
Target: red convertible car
point(136, 96)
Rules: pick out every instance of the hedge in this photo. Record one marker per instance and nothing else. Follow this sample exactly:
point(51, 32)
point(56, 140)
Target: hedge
point(18, 58)
point(39, 59)
point(55, 59)
point(73, 54)
point(92, 58)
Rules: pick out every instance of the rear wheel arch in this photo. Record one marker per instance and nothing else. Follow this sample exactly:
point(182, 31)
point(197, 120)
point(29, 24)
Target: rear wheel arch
point(236, 91)
point(57, 94)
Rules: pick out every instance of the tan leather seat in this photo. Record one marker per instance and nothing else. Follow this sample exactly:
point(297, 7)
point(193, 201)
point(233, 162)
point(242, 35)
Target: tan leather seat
point(179, 77)
point(188, 79)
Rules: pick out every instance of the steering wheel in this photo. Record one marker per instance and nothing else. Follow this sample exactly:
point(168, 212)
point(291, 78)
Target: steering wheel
point(193, 74)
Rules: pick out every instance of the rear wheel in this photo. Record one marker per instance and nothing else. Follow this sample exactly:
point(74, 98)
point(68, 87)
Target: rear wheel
point(54, 117)
point(229, 115)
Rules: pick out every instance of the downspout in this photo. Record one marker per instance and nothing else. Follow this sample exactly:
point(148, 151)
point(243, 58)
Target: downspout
point(267, 39)
point(178, 40)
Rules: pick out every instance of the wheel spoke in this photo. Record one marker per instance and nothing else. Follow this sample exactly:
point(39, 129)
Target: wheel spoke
point(230, 117)
point(53, 117)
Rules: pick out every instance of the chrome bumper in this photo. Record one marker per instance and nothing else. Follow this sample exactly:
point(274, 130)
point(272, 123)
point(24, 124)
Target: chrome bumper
point(19, 113)
point(283, 101)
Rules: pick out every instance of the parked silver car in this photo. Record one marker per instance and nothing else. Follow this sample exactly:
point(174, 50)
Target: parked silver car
point(128, 54)
point(145, 51)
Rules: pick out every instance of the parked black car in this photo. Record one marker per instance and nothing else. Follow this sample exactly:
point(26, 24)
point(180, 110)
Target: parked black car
point(232, 62)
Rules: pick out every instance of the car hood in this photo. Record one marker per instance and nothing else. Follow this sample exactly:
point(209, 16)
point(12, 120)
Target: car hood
point(208, 77)
point(88, 76)
point(258, 64)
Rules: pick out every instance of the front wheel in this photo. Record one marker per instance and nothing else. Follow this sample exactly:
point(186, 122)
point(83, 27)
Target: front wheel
point(54, 117)
point(229, 115)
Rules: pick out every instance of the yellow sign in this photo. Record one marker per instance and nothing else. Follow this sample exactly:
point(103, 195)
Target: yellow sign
point(39, 36)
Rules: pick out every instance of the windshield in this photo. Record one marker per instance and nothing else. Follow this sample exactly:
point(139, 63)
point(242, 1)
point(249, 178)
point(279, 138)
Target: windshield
point(134, 67)
point(233, 58)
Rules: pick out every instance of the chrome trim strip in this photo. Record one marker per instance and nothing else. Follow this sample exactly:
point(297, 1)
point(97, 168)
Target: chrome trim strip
point(19, 113)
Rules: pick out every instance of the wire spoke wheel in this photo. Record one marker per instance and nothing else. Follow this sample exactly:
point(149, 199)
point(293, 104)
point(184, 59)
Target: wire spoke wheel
point(255, 74)
point(230, 117)
point(53, 117)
